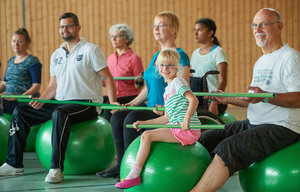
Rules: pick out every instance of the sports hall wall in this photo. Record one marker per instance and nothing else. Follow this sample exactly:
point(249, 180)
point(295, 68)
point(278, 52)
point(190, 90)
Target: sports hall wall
point(232, 17)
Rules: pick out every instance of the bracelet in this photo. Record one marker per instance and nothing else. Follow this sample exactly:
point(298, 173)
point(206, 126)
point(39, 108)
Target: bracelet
point(265, 100)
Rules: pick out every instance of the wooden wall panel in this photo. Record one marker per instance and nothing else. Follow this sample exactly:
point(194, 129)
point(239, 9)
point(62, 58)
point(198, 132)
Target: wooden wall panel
point(232, 17)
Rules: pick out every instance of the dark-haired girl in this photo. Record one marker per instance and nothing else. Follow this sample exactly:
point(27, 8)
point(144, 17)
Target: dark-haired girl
point(210, 56)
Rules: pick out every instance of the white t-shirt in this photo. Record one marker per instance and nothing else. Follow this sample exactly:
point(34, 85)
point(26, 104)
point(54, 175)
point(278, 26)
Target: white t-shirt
point(277, 72)
point(76, 72)
point(203, 63)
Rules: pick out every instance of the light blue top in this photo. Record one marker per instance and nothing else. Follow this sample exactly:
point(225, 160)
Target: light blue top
point(155, 82)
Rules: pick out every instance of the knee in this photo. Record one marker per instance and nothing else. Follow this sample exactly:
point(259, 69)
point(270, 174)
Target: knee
point(131, 117)
point(218, 159)
point(222, 165)
point(146, 136)
point(58, 113)
point(19, 109)
point(116, 117)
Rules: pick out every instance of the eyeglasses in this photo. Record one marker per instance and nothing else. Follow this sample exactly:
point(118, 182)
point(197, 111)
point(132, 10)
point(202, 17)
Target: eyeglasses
point(160, 26)
point(197, 29)
point(254, 26)
point(167, 66)
point(67, 26)
point(116, 36)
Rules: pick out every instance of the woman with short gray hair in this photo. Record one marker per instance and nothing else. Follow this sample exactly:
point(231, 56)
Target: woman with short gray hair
point(123, 63)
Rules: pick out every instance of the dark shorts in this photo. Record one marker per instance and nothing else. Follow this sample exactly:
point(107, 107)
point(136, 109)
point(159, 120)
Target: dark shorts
point(240, 144)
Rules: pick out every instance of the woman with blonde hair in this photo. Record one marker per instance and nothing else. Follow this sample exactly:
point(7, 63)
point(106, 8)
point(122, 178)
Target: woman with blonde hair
point(165, 31)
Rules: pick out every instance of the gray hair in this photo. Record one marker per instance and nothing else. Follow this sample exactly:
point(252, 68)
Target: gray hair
point(125, 29)
point(277, 14)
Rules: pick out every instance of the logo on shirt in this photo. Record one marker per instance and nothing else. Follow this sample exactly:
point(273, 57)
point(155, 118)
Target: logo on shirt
point(79, 57)
point(263, 77)
point(58, 61)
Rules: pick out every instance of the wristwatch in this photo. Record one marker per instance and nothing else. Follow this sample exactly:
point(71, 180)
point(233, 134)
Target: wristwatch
point(265, 100)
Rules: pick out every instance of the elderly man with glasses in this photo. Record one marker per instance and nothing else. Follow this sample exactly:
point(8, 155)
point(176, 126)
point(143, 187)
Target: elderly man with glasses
point(76, 72)
point(272, 124)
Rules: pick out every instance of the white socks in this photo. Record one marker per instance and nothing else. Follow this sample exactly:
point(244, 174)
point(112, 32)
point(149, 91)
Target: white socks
point(134, 172)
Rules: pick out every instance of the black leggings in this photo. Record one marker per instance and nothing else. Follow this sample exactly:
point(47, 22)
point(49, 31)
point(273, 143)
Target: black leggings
point(124, 136)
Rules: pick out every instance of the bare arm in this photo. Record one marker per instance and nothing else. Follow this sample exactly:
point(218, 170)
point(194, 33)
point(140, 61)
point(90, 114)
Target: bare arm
point(222, 68)
point(110, 84)
point(33, 89)
point(236, 102)
point(49, 93)
point(184, 73)
point(228, 100)
point(2, 86)
point(193, 104)
point(142, 97)
point(160, 120)
point(288, 100)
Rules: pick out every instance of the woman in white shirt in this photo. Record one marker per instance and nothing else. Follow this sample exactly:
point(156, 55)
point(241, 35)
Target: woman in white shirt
point(210, 56)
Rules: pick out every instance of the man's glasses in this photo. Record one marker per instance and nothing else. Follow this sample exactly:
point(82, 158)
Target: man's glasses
point(67, 26)
point(254, 26)
point(167, 66)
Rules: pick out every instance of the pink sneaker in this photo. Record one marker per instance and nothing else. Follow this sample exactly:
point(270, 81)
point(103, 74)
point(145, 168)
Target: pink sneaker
point(127, 183)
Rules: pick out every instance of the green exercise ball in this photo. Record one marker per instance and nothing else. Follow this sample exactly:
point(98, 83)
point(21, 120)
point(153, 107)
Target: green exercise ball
point(30, 140)
point(7, 116)
point(169, 167)
point(276, 173)
point(227, 117)
point(4, 130)
point(90, 147)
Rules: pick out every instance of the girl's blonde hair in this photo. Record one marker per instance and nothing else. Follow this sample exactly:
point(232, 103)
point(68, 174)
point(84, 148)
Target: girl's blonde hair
point(168, 56)
point(171, 19)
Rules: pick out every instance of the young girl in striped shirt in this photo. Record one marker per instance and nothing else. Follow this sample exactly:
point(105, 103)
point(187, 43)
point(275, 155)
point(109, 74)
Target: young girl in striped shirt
point(180, 108)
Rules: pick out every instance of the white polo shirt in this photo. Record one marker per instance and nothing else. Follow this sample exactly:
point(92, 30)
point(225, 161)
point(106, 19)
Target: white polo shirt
point(76, 72)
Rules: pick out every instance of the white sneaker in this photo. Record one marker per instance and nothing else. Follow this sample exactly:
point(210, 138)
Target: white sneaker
point(54, 176)
point(7, 170)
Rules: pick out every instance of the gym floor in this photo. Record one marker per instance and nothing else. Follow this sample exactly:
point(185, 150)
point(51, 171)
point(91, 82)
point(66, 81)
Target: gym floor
point(33, 178)
point(34, 175)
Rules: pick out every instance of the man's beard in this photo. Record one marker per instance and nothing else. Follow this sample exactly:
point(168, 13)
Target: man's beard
point(69, 38)
point(261, 43)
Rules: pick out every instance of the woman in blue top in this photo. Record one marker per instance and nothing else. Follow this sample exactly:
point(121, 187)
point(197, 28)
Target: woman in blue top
point(165, 31)
point(23, 72)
